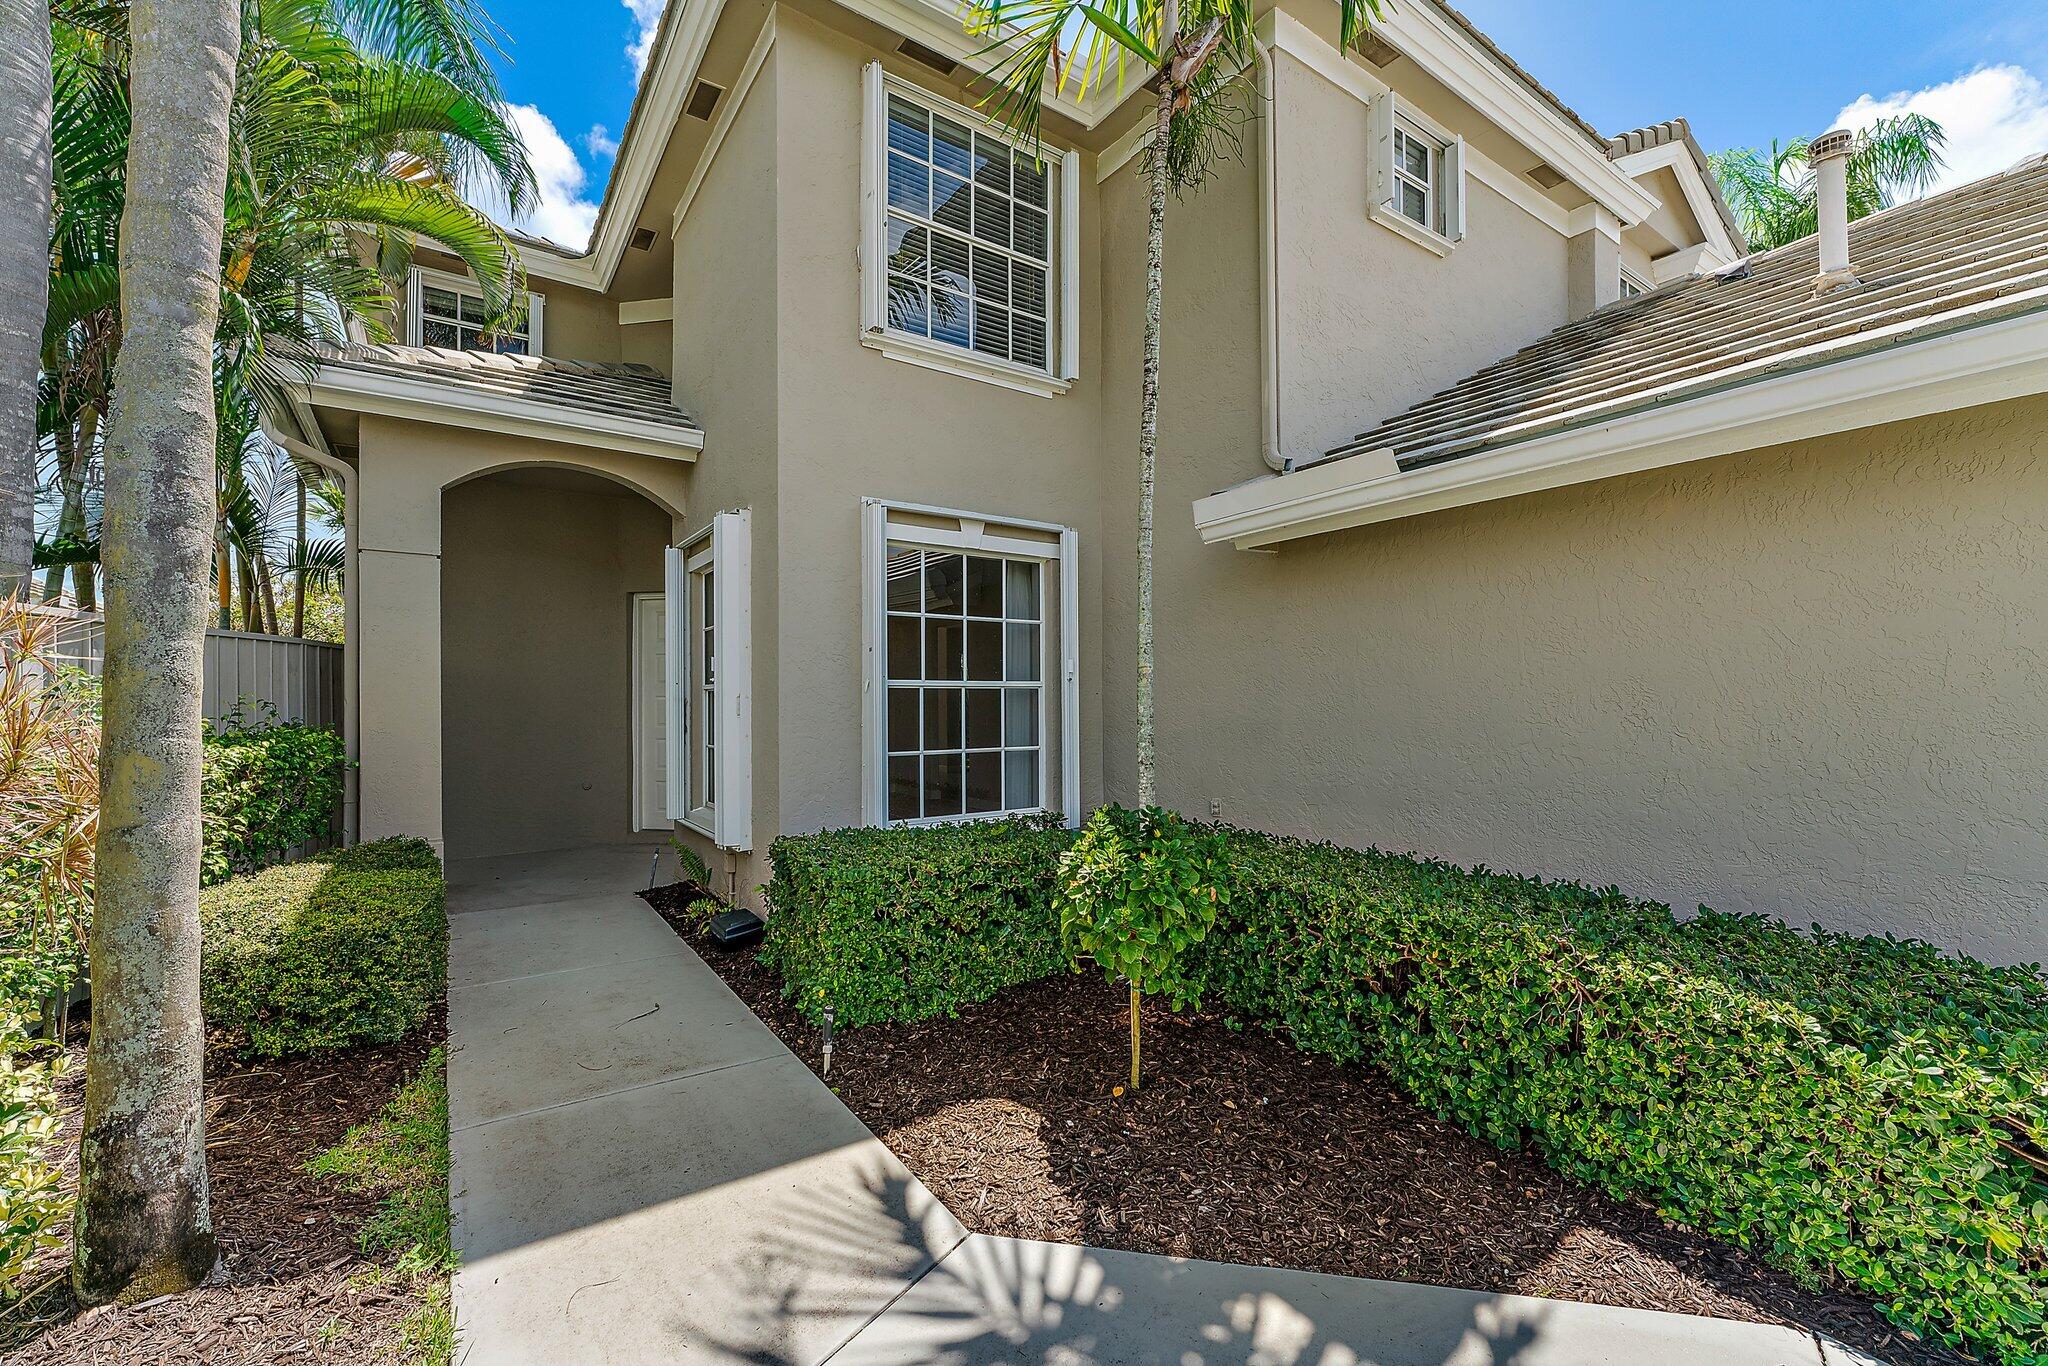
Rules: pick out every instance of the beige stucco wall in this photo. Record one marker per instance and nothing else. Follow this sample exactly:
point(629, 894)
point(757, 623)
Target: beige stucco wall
point(855, 424)
point(403, 467)
point(1369, 321)
point(725, 352)
point(536, 655)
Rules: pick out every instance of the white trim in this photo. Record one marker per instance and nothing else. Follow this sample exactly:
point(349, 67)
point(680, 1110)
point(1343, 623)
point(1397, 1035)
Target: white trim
point(424, 400)
point(1272, 438)
point(1407, 227)
point(676, 630)
point(641, 817)
point(732, 555)
point(1120, 153)
point(1959, 369)
point(1592, 218)
point(973, 533)
point(1694, 260)
point(1282, 32)
point(633, 311)
point(1063, 333)
point(954, 361)
point(728, 113)
point(419, 276)
point(1699, 196)
point(1477, 77)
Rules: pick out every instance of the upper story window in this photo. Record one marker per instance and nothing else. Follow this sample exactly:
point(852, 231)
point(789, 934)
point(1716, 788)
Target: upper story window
point(448, 311)
point(1632, 284)
point(1418, 176)
point(968, 242)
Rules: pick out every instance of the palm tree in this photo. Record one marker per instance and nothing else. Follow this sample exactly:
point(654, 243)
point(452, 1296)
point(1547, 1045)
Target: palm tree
point(1774, 196)
point(345, 156)
point(145, 1224)
point(24, 278)
point(1202, 55)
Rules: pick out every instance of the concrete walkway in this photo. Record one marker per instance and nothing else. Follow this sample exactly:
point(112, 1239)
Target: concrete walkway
point(643, 1173)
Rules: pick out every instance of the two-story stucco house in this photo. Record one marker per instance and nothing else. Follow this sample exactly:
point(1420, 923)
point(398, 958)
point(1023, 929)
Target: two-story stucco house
point(1506, 512)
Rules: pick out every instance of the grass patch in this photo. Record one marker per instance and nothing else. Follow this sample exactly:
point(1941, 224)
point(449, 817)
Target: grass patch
point(402, 1156)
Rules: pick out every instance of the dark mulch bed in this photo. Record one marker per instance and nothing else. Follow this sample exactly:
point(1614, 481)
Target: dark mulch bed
point(291, 1284)
point(1243, 1149)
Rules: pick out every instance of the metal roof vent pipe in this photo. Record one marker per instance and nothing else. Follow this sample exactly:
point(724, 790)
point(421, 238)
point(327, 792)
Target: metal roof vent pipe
point(1829, 157)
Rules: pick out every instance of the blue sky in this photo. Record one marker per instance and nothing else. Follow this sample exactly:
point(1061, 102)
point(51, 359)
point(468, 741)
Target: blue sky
point(1743, 74)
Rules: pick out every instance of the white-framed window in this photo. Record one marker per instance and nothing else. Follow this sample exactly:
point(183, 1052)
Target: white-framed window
point(1418, 175)
point(710, 679)
point(448, 311)
point(1632, 284)
point(969, 242)
point(972, 677)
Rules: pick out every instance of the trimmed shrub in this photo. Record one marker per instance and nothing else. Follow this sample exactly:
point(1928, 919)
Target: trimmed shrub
point(1863, 1111)
point(395, 853)
point(907, 924)
point(313, 956)
point(265, 791)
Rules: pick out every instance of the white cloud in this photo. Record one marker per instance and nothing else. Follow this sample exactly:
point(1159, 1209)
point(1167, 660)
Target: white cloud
point(647, 17)
point(559, 211)
point(599, 142)
point(1994, 116)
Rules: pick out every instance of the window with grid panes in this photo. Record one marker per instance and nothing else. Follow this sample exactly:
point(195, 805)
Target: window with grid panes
point(969, 238)
point(455, 319)
point(1416, 159)
point(966, 705)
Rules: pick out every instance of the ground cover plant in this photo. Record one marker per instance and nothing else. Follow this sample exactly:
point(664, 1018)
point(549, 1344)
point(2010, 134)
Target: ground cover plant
point(1864, 1113)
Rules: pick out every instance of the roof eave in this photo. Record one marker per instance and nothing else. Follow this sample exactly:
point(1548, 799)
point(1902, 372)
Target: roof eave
point(1962, 368)
point(356, 390)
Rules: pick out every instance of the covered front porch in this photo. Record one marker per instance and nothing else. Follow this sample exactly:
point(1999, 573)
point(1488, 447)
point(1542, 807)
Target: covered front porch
point(506, 654)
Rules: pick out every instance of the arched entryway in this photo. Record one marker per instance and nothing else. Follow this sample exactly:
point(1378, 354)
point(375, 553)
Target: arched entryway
point(548, 575)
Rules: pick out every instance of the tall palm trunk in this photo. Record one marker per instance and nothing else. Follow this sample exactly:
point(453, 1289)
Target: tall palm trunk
point(299, 578)
point(24, 271)
point(1148, 425)
point(144, 1225)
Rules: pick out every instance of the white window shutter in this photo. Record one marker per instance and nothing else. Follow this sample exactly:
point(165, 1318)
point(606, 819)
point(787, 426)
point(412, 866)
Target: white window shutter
point(732, 540)
point(1380, 147)
point(874, 179)
point(676, 678)
point(1454, 190)
point(1069, 265)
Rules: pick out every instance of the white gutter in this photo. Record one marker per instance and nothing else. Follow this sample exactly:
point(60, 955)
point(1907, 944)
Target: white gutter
point(1959, 369)
point(453, 404)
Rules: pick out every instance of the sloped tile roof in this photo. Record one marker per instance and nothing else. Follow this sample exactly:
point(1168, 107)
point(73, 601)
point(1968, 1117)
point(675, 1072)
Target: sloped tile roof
point(1970, 256)
point(639, 392)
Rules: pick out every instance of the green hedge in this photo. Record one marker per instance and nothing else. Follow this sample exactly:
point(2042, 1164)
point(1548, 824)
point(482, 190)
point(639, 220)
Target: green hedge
point(1857, 1109)
point(906, 924)
point(266, 790)
point(326, 954)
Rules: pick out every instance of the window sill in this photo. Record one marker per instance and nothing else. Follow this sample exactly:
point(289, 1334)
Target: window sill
point(1407, 227)
point(979, 818)
point(702, 822)
point(952, 360)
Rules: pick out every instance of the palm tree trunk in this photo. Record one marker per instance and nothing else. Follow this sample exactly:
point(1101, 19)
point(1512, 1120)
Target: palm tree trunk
point(269, 592)
point(24, 271)
point(53, 578)
point(1148, 421)
point(145, 1225)
point(224, 582)
point(299, 578)
point(83, 586)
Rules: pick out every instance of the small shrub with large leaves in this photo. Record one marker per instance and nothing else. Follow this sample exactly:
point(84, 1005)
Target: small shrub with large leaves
point(308, 957)
point(907, 924)
point(1138, 890)
point(266, 789)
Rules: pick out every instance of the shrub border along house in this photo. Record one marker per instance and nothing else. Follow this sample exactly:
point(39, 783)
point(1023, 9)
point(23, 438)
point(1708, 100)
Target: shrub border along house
point(1865, 1109)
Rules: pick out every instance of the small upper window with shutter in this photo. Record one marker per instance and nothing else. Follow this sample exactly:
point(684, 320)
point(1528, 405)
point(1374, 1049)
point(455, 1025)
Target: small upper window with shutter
point(1418, 175)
